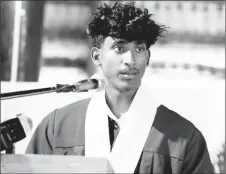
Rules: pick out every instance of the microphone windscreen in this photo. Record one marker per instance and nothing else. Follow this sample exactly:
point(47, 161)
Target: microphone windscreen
point(26, 123)
point(101, 81)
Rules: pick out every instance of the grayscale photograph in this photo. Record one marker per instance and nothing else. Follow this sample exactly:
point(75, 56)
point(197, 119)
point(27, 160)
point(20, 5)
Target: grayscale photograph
point(112, 87)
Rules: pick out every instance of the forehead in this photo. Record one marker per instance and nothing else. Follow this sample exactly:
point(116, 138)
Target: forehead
point(111, 41)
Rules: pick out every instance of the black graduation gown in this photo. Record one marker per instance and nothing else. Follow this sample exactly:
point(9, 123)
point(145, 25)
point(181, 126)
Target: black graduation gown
point(174, 144)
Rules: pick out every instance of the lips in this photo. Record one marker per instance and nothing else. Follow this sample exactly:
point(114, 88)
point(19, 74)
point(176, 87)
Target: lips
point(129, 72)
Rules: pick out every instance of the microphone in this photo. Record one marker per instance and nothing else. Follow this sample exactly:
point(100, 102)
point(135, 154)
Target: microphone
point(14, 130)
point(101, 80)
point(82, 86)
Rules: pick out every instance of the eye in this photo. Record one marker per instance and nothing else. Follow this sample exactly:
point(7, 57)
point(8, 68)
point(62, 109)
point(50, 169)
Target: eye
point(118, 48)
point(140, 49)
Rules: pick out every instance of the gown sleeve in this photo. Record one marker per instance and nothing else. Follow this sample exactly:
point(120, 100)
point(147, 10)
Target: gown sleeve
point(41, 140)
point(197, 159)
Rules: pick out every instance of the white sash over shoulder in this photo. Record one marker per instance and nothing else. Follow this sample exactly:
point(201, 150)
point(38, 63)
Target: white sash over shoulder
point(133, 132)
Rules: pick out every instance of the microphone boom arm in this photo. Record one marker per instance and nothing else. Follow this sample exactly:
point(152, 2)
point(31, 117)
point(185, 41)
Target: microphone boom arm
point(82, 86)
point(59, 88)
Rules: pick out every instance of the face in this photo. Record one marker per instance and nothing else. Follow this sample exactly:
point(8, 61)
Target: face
point(123, 63)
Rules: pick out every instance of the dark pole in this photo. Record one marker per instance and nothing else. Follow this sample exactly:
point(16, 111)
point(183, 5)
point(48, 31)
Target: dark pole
point(7, 12)
point(31, 55)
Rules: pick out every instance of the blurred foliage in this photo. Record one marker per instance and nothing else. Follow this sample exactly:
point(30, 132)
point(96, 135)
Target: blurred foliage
point(72, 19)
point(65, 62)
point(192, 38)
point(70, 24)
point(217, 72)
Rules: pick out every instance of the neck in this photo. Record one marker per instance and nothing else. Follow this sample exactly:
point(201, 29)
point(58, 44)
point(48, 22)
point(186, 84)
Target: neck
point(119, 102)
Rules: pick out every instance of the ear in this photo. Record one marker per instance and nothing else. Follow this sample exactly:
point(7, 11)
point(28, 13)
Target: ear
point(95, 55)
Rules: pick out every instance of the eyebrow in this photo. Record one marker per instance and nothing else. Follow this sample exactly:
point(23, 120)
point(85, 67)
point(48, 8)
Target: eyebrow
point(122, 41)
point(119, 41)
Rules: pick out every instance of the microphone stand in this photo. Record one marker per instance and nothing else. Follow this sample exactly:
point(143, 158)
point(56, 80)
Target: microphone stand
point(6, 143)
point(59, 88)
point(87, 84)
point(10, 150)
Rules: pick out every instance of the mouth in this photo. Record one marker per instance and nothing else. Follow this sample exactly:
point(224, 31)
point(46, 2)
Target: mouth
point(128, 74)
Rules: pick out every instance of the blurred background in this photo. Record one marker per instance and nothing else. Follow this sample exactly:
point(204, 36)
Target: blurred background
point(43, 43)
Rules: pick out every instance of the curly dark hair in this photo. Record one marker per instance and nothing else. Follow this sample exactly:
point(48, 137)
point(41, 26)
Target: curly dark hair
point(123, 21)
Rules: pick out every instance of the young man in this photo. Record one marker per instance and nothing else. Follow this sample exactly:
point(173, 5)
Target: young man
point(123, 122)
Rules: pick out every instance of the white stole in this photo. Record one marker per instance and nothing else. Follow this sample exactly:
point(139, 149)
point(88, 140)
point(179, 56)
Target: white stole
point(132, 136)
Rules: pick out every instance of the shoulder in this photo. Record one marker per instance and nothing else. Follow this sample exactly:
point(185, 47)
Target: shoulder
point(172, 133)
point(75, 107)
point(172, 121)
point(59, 128)
point(73, 113)
point(66, 122)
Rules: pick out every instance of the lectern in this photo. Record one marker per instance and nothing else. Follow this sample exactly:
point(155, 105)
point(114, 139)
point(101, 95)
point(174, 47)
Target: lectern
point(30, 163)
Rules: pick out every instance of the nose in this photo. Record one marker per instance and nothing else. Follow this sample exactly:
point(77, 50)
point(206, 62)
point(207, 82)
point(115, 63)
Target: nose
point(129, 58)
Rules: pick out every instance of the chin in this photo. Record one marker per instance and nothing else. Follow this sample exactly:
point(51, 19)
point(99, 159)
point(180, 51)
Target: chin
point(127, 87)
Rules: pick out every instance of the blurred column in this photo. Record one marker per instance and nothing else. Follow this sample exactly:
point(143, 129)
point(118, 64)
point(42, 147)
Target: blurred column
point(207, 24)
point(193, 14)
point(212, 20)
point(31, 41)
point(167, 8)
point(187, 7)
point(175, 21)
point(157, 9)
point(182, 17)
point(199, 17)
point(162, 14)
point(16, 40)
point(220, 19)
point(6, 37)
